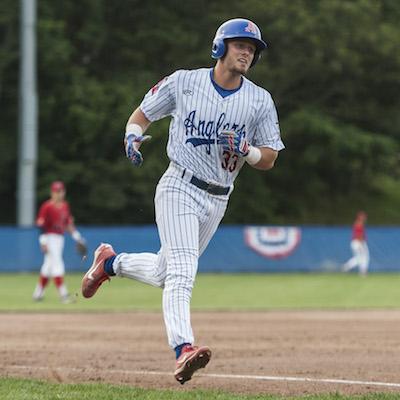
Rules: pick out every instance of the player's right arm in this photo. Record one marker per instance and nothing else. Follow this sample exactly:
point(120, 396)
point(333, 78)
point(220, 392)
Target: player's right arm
point(40, 223)
point(134, 136)
point(157, 103)
point(138, 117)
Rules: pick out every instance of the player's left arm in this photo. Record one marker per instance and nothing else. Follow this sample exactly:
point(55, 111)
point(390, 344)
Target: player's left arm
point(258, 157)
point(267, 160)
point(73, 231)
point(80, 241)
point(266, 143)
point(262, 151)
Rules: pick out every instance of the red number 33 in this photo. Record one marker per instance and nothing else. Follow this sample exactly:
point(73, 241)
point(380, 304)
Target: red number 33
point(229, 160)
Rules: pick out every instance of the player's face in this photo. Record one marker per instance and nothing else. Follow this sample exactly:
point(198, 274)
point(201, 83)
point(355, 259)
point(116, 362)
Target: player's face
point(58, 195)
point(239, 55)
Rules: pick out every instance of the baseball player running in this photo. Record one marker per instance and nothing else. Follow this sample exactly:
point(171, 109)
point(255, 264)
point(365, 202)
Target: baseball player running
point(358, 246)
point(54, 218)
point(219, 121)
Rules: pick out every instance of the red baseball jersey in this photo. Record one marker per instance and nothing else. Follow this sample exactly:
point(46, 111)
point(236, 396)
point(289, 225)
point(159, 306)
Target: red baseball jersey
point(358, 231)
point(54, 218)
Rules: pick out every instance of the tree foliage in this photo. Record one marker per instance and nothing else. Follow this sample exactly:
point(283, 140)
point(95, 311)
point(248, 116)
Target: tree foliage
point(332, 67)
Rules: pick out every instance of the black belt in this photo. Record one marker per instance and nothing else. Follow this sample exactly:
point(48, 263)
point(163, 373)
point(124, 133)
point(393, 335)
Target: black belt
point(208, 187)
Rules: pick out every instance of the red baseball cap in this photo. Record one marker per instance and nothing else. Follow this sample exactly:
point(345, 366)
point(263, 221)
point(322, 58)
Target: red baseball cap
point(57, 186)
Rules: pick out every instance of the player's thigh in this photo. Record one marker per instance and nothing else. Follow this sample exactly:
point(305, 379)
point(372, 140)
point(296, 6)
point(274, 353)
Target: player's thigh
point(177, 221)
point(55, 245)
point(366, 250)
point(179, 249)
point(55, 255)
point(364, 254)
point(356, 247)
point(211, 221)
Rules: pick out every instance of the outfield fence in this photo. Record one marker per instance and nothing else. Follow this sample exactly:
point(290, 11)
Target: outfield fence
point(234, 248)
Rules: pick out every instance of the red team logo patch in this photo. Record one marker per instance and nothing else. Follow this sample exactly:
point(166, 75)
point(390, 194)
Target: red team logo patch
point(272, 242)
point(155, 88)
point(251, 28)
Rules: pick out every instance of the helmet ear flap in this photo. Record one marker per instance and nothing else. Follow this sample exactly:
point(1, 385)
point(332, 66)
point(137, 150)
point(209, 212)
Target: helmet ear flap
point(257, 56)
point(218, 48)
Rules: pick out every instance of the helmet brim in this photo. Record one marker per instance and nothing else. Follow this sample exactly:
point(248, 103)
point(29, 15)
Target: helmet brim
point(260, 44)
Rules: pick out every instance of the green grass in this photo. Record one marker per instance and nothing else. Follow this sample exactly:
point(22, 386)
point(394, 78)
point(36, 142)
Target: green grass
point(217, 292)
point(212, 292)
point(24, 389)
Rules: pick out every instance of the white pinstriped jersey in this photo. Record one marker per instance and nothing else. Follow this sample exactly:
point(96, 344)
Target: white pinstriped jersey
point(199, 113)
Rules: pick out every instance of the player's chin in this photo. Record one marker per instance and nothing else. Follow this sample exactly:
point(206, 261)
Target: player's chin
point(242, 67)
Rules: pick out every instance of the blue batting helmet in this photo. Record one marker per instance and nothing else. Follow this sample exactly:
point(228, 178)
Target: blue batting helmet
point(237, 28)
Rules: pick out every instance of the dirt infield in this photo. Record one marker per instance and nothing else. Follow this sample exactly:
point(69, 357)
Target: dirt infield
point(288, 353)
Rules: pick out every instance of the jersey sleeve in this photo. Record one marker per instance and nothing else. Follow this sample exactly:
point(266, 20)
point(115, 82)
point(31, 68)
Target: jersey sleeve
point(160, 100)
point(69, 217)
point(267, 130)
point(41, 217)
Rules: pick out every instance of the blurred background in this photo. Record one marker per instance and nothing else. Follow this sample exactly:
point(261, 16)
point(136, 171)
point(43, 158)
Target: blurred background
point(332, 67)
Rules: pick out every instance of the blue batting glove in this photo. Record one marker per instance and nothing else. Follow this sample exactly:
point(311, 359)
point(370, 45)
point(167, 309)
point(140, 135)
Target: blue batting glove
point(234, 143)
point(132, 145)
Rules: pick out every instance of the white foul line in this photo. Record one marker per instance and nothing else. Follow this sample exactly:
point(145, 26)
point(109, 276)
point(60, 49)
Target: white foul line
point(298, 379)
point(218, 376)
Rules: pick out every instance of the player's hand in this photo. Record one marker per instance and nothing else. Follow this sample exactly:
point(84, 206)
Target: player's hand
point(234, 142)
point(132, 145)
point(81, 247)
point(44, 248)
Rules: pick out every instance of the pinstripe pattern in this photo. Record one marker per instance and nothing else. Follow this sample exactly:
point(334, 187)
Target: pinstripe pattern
point(198, 111)
point(187, 217)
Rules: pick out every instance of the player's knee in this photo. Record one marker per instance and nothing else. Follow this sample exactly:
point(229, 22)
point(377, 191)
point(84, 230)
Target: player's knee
point(181, 279)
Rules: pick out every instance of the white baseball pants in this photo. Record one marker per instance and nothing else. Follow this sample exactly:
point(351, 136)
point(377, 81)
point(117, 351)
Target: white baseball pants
point(53, 263)
point(360, 257)
point(187, 218)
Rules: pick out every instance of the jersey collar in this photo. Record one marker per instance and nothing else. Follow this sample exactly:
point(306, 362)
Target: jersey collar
point(223, 92)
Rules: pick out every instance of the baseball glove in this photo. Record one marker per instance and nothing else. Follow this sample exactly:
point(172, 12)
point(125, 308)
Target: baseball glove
point(81, 248)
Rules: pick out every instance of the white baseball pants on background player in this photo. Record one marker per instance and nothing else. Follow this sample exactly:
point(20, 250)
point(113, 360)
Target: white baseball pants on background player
point(53, 263)
point(187, 218)
point(360, 257)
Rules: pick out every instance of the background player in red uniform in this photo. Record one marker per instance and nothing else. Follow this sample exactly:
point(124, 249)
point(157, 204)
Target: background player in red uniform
point(359, 246)
point(54, 218)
